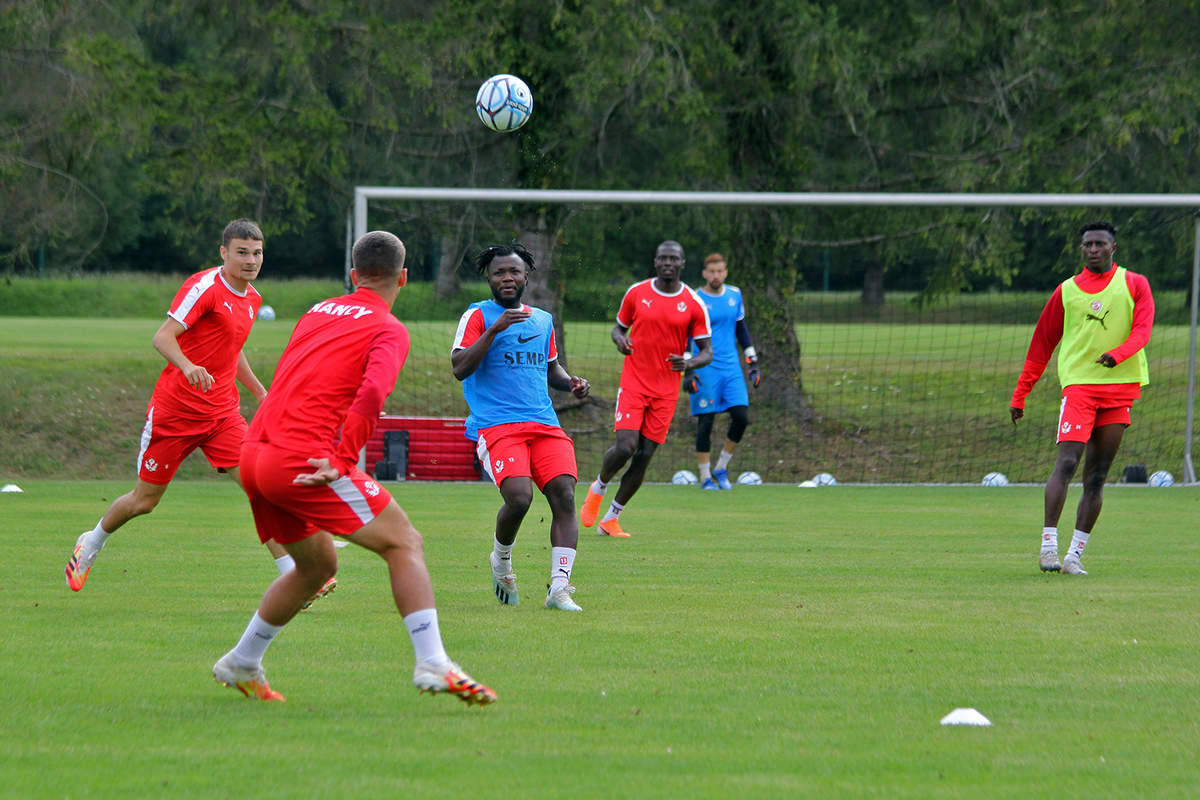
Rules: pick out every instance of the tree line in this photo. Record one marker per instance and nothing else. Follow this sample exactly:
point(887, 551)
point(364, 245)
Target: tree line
point(132, 130)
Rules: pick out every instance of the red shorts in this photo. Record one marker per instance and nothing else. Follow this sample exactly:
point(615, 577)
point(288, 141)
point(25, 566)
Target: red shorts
point(1082, 411)
point(526, 450)
point(648, 414)
point(287, 512)
point(167, 441)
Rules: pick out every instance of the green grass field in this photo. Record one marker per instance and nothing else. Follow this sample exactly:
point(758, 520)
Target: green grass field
point(766, 642)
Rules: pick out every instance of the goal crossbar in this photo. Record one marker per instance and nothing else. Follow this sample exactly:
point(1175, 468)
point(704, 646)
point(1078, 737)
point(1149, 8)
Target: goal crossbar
point(363, 194)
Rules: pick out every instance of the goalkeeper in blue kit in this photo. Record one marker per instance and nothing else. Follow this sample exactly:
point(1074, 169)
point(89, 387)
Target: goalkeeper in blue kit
point(721, 386)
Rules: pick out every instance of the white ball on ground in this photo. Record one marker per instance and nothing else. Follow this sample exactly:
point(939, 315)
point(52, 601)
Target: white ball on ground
point(1161, 478)
point(824, 479)
point(749, 479)
point(266, 314)
point(684, 477)
point(995, 479)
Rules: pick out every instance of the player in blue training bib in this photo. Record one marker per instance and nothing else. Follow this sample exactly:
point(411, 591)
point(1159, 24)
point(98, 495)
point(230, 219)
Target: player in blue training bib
point(506, 357)
point(720, 386)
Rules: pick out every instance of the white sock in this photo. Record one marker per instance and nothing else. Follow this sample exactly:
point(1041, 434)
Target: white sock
point(562, 561)
point(599, 487)
point(705, 472)
point(503, 554)
point(97, 537)
point(426, 637)
point(1078, 542)
point(723, 460)
point(254, 642)
point(1050, 540)
point(614, 511)
point(285, 563)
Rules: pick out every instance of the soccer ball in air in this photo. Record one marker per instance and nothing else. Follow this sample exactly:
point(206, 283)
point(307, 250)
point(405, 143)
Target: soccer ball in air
point(995, 479)
point(824, 479)
point(1161, 478)
point(266, 314)
point(749, 479)
point(504, 103)
point(684, 477)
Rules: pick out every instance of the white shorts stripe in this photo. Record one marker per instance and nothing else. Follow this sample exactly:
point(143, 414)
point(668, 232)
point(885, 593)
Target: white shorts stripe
point(147, 434)
point(345, 489)
point(485, 458)
point(1062, 410)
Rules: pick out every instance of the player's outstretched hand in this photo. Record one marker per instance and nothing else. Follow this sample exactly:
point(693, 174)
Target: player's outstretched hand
point(1016, 413)
point(325, 473)
point(678, 361)
point(511, 316)
point(580, 387)
point(198, 377)
point(624, 344)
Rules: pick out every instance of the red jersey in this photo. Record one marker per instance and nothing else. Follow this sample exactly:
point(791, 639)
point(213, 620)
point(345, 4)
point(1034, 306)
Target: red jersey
point(659, 325)
point(339, 366)
point(218, 319)
point(1049, 331)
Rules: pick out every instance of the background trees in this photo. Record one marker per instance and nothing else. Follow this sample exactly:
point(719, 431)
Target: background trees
point(130, 131)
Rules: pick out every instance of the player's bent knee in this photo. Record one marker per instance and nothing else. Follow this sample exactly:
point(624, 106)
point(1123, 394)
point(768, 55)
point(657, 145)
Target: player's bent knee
point(739, 420)
point(560, 495)
point(517, 494)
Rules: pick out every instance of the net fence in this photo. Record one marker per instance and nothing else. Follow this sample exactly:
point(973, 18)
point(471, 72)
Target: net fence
point(903, 387)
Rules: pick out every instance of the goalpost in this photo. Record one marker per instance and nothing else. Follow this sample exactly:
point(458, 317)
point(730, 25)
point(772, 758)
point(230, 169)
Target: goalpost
point(358, 219)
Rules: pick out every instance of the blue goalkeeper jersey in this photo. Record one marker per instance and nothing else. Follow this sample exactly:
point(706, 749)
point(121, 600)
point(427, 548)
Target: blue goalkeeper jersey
point(510, 383)
point(724, 311)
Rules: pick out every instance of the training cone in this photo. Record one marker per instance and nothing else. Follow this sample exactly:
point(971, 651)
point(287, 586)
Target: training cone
point(966, 716)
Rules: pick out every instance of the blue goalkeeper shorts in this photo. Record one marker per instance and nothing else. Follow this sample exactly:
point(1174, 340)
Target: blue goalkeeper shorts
point(721, 388)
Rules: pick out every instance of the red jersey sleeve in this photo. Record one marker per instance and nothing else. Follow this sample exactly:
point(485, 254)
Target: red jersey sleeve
point(193, 300)
point(1046, 336)
point(385, 357)
point(700, 328)
point(1143, 317)
point(470, 328)
point(553, 354)
point(628, 308)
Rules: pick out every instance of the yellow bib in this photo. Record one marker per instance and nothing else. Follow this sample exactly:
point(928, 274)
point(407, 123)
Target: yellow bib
point(1095, 324)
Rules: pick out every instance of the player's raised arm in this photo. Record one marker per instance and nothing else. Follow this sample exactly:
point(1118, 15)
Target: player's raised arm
point(620, 337)
point(466, 359)
point(166, 342)
point(558, 378)
point(247, 378)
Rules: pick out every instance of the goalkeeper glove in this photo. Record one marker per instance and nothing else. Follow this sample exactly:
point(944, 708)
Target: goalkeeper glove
point(752, 359)
point(691, 384)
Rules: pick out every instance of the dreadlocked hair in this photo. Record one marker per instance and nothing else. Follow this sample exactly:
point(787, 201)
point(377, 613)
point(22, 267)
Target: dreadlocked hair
point(485, 257)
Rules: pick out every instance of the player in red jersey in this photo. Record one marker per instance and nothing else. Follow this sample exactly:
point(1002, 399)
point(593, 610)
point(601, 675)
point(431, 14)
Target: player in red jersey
point(1103, 317)
point(334, 375)
point(656, 318)
point(195, 402)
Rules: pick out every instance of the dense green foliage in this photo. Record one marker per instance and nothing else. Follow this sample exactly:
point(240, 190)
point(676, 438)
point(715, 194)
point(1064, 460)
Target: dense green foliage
point(131, 131)
point(768, 642)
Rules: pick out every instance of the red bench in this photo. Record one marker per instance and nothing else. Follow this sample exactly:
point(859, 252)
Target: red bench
point(438, 449)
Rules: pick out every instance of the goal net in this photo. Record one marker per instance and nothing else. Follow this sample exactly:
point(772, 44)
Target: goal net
point(904, 380)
